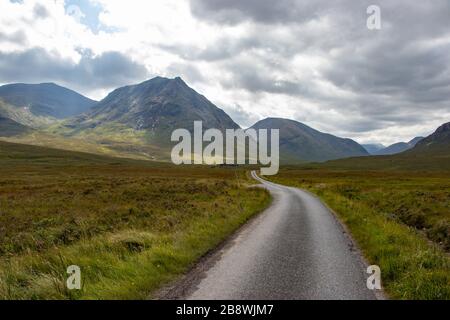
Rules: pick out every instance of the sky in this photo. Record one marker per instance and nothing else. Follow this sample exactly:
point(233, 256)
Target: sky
point(313, 61)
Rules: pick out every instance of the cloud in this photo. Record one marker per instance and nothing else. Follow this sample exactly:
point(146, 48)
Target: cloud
point(40, 11)
point(415, 73)
point(17, 37)
point(262, 11)
point(186, 71)
point(108, 70)
point(240, 115)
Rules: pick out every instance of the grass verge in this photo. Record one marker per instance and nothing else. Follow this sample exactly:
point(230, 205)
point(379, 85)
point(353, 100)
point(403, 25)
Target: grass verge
point(393, 223)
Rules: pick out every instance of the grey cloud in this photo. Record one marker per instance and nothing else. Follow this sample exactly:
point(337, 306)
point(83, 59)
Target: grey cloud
point(256, 78)
point(362, 125)
point(241, 116)
point(261, 38)
point(109, 70)
point(223, 48)
point(264, 11)
point(40, 12)
point(418, 18)
point(17, 37)
point(251, 81)
point(392, 75)
point(397, 76)
point(390, 66)
point(186, 71)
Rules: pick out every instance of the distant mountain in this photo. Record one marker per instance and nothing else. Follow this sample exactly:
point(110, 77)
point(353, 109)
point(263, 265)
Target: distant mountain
point(373, 148)
point(429, 154)
point(45, 99)
point(299, 142)
point(154, 109)
point(439, 141)
point(398, 147)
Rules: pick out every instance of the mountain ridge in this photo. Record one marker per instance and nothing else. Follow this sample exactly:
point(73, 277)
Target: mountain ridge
point(398, 147)
point(46, 99)
point(139, 119)
point(439, 141)
point(155, 103)
point(303, 143)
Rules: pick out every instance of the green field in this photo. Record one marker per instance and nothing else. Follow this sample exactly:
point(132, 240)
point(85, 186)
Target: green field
point(131, 226)
point(400, 219)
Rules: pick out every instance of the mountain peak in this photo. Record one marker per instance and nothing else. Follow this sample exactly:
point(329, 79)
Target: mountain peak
point(278, 119)
point(158, 106)
point(444, 128)
point(163, 79)
point(281, 122)
point(301, 142)
point(440, 139)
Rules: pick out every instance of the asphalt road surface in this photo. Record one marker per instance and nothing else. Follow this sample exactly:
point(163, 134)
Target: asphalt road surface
point(296, 249)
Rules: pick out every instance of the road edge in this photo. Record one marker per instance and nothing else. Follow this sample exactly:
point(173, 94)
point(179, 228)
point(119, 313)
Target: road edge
point(183, 286)
point(379, 294)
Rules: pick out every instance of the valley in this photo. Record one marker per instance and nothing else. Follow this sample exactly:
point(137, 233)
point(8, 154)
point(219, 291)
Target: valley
point(223, 153)
point(80, 189)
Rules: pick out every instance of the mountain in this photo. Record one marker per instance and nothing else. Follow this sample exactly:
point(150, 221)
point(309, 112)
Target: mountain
point(299, 142)
point(398, 147)
point(430, 154)
point(414, 141)
point(373, 148)
point(152, 110)
point(438, 142)
point(45, 99)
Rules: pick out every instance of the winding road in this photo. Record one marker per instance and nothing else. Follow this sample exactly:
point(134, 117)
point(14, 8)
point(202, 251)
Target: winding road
point(296, 249)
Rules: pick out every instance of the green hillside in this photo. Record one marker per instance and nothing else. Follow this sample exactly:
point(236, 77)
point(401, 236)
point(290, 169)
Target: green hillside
point(15, 154)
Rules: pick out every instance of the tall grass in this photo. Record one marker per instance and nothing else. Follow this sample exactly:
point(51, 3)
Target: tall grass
point(130, 226)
